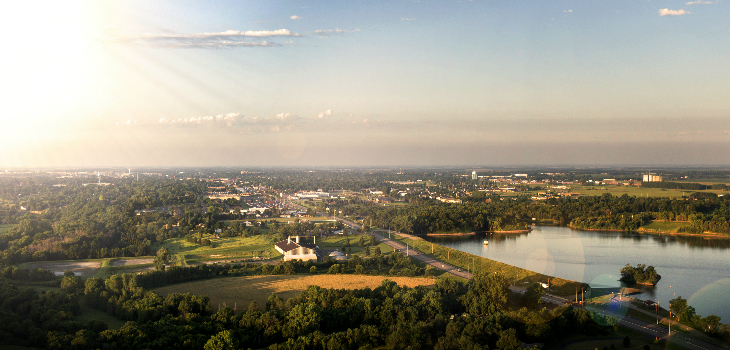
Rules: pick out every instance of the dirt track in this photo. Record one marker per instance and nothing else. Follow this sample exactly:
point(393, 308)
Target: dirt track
point(80, 268)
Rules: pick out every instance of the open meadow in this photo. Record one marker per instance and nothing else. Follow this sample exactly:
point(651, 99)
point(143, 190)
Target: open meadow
point(635, 191)
point(239, 292)
point(662, 226)
point(337, 242)
point(5, 228)
point(220, 248)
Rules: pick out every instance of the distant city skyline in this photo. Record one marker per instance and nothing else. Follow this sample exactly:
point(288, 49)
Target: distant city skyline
point(365, 83)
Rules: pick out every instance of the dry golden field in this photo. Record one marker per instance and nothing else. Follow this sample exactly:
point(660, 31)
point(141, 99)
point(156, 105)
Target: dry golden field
point(239, 292)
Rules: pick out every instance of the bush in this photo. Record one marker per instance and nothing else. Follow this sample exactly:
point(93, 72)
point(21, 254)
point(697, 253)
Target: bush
point(336, 268)
point(627, 341)
point(313, 269)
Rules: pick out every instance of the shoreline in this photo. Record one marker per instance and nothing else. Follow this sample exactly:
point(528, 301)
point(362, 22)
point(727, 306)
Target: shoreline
point(463, 234)
point(459, 234)
point(513, 231)
point(652, 232)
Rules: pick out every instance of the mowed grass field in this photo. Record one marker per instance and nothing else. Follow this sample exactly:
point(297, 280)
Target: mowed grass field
point(663, 226)
point(224, 246)
point(239, 292)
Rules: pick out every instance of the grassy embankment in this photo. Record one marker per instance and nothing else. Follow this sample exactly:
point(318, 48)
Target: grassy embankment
point(480, 264)
point(662, 227)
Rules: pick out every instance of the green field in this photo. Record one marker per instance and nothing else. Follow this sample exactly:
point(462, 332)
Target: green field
point(662, 226)
point(5, 228)
point(635, 191)
point(86, 314)
point(220, 248)
point(339, 241)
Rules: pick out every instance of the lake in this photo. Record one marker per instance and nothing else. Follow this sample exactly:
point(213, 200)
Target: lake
point(696, 268)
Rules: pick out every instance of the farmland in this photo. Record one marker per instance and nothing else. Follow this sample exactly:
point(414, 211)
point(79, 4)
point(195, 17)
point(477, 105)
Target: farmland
point(239, 292)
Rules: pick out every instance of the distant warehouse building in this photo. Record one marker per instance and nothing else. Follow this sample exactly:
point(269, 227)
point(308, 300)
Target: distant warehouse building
point(652, 178)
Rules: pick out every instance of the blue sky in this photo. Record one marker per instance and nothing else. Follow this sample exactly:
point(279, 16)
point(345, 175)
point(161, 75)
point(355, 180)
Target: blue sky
point(365, 83)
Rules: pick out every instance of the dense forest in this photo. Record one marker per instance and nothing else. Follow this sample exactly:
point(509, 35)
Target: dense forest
point(452, 315)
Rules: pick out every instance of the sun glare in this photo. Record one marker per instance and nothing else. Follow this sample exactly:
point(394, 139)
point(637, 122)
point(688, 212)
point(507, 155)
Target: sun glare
point(44, 68)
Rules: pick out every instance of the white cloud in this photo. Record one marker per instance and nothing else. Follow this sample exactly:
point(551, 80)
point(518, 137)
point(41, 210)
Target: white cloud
point(295, 17)
point(326, 113)
point(229, 38)
point(668, 12)
point(700, 2)
point(568, 11)
point(328, 32)
point(408, 19)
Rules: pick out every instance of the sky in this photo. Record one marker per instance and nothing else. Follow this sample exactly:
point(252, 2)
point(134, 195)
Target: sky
point(364, 83)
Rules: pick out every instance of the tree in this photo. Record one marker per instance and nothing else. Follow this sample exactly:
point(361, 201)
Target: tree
point(224, 340)
point(162, 258)
point(486, 294)
point(70, 284)
point(533, 295)
point(508, 340)
point(678, 306)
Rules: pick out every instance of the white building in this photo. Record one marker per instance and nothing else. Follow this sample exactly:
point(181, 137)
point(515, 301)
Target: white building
point(292, 249)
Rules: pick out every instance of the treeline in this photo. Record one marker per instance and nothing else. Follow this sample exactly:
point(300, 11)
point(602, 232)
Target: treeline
point(451, 315)
point(684, 186)
point(605, 212)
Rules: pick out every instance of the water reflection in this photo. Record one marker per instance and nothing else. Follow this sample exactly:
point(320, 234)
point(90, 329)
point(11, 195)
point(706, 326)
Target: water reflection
point(687, 263)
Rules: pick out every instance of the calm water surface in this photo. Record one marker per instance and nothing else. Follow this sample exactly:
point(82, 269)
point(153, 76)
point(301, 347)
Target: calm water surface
point(698, 269)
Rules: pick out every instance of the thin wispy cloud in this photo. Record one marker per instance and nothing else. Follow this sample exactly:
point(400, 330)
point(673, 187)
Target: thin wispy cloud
point(408, 18)
point(295, 17)
point(568, 11)
point(336, 31)
point(235, 123)
point(700, 2)
point(229, 38)
point(227, 119)
point(668, 12)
